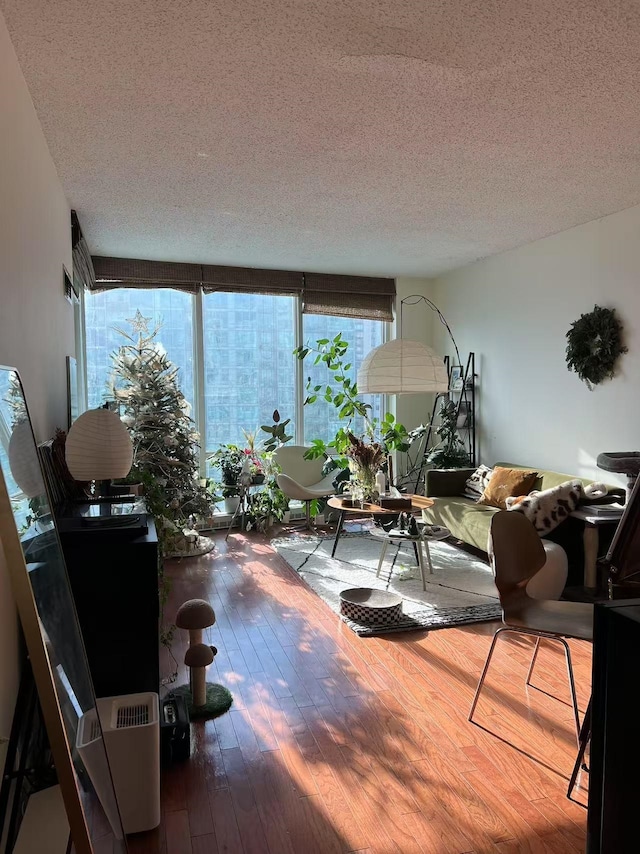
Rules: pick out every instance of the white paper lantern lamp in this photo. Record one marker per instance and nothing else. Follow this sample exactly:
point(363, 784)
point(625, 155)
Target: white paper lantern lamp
point(98, 446)
point(24, 462)
point(402, 366)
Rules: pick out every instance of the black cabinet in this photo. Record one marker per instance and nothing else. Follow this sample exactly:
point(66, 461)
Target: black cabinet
point(113, 572)
point(613, 826)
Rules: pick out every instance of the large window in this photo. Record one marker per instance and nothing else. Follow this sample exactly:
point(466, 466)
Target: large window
point(110, 310)
point(249, 366)
point(247, 342)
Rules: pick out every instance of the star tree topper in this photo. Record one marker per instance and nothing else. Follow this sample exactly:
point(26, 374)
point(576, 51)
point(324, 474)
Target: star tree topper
point(140, 323)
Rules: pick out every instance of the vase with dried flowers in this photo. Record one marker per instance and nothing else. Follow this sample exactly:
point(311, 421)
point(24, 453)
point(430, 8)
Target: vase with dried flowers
point(365, 460)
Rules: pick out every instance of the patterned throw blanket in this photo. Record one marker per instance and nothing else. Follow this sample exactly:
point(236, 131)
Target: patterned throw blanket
point(548, 508)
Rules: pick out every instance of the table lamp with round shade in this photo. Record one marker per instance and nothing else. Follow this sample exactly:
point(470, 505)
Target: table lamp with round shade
point(98, 447)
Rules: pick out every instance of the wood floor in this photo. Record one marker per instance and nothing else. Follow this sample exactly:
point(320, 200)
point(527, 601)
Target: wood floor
point(340, 744)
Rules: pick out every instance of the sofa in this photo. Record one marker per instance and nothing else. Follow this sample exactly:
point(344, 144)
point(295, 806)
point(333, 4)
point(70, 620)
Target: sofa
point(470, 522)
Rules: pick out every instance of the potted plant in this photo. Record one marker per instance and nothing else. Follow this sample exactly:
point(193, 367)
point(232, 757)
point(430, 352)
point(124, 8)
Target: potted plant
point(267, 506)
point(380, 437)
point(450, 452)
point(129, 485)
point(270, 504)
point(229, 459)
point(252, 451)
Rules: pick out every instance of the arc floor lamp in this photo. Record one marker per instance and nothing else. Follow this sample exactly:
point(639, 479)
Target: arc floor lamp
point(403, 366)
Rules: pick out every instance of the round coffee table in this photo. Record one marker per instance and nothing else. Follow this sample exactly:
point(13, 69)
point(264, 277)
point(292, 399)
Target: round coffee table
point(420, 541)
point(418, 503)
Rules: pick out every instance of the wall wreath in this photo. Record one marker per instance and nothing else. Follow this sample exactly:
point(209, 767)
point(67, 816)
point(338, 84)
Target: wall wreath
point(594, 344)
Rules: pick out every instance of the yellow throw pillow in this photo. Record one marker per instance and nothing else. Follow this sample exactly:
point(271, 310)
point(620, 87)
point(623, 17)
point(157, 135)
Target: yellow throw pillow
point(505, 483)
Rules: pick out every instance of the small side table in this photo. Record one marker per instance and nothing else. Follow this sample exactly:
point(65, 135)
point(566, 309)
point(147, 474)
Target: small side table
point(591, 540)
point(243, 505)
point(420, 541)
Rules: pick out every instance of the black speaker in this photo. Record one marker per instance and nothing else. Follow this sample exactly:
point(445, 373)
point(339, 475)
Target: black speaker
point(175, 732)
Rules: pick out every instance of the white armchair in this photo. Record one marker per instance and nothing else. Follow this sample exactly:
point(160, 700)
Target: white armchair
point(302, 479)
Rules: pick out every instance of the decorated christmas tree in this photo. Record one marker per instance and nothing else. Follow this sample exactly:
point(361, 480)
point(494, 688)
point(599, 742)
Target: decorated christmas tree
point(165, 440)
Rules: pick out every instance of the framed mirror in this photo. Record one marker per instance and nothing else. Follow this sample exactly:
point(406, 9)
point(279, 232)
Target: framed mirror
point(35, 562)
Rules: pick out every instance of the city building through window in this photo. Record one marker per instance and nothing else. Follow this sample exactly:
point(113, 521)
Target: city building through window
point(245, 343)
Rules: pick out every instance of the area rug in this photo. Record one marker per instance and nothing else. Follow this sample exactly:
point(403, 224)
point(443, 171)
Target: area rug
point(460, 591)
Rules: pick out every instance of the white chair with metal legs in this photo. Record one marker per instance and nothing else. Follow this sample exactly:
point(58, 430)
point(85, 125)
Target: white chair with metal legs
point(517, 555)
point(302, 479)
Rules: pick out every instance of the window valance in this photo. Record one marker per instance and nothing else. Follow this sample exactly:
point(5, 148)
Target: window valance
point(367, 297)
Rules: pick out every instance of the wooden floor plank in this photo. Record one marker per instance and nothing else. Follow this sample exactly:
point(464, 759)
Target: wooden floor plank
point(205, 844)
point(178, 834)
point(224, 822)
point(326, 778)
point(338, 744)
point(243, 799)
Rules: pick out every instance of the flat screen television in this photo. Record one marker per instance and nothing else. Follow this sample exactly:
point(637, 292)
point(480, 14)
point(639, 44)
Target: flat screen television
point(623, 557)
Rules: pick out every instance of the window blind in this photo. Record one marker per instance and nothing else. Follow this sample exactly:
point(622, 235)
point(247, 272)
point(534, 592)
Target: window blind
point(83, 273)
point(251, 280)
point(136, 273)
point(366, 297)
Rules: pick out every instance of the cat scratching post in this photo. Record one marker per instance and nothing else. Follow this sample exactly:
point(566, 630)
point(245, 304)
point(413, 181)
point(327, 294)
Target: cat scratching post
point(194, 616)
point(198, 657)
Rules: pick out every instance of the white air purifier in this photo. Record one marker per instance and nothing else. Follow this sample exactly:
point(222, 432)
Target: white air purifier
point(131, 732)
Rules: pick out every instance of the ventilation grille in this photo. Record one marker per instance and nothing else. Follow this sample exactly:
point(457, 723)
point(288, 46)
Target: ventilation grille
point(95, 730)
point(129, 716)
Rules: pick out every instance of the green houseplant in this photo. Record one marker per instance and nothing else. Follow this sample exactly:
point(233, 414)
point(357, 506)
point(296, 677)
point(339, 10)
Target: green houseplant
point(266, 506)
point(229, 460)
point(270, 503)
point(342, 392)
point(450, 452)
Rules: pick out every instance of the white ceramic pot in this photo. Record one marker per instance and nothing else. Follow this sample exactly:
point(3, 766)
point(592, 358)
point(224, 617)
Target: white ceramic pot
point(231, 503)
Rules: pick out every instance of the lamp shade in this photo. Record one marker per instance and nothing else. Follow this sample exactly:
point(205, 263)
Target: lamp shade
point(98, 446)
point(24, 462)
point(402, 367)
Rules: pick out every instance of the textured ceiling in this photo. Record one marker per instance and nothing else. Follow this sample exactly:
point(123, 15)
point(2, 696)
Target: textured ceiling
point(404, 137)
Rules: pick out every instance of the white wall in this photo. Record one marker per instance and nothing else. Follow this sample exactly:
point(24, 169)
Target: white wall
point(36, 322)
point(514, 311)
